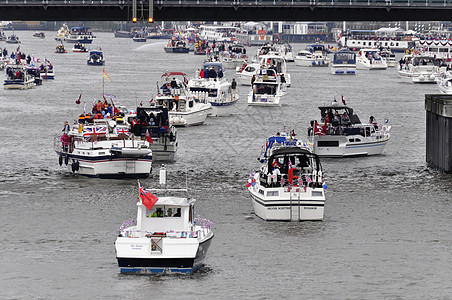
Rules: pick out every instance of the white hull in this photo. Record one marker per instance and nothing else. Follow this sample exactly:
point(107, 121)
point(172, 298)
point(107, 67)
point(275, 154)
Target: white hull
point(342, 69)
point(311, 62)
point(366, 65)
point(365, 148)
point(244, 79)
point(263, 100)
point(302, 207)
point(20, 86)
point(189, 118)
point(417, 77)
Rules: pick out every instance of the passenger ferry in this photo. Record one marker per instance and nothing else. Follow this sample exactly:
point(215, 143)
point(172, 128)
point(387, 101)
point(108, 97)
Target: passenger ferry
point(340, 133)
point(184, 109)
point(214, 89)
point(344, 63)
point(289, 186)
point(438, 48)
point(80, 35)
point(104, 148)
point(217, 33)
point(166, 237)
point(358, 39)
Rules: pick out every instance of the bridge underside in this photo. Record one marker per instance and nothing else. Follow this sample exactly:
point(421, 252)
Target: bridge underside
point(227, 13)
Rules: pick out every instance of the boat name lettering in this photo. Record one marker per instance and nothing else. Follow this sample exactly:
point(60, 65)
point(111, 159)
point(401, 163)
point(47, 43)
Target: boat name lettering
point(136, 247)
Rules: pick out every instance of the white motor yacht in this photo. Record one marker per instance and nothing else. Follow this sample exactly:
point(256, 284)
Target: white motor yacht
point(266, 90)
point(102, 148)
point(166, 236)
point(370, 59)
point(215, 89)
point(420, 69)
point(444, 82)
point(286, 52)
point(234, 56)
point(343, 63)
point(245, 73)
point(340, 133)
point(273, 60)
point(17, 77)
point(305, 58)
point(184, 109)
point(289, 186)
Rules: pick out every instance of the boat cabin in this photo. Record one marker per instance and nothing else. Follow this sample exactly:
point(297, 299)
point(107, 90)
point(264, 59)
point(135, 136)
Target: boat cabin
point(169, 214)
point(291, 166)
point(267, 75)
point(316, 48)
point(154, 120)
point(344, 57)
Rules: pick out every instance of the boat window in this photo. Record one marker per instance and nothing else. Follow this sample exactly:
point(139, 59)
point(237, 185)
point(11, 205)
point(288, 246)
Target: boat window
point(250, 69)
point(273, 194)
point(328, 143)
point(316, 194)
point(367, 131)
point(163, 211)
point(190, 103)
point(357, 140)
point(261, 192)
point(351, 140)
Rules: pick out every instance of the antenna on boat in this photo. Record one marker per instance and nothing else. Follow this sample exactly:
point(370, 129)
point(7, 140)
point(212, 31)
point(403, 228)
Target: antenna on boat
point(162, 176)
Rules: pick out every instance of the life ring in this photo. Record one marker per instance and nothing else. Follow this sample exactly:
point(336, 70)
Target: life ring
point(60, 159)
point(66, 159)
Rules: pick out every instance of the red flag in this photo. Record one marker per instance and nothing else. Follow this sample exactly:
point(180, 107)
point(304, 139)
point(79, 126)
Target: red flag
point(290, 172)
point(318, 130)
point(148, 137)
point(78, 100)
point(343, 100)
point(147, 198)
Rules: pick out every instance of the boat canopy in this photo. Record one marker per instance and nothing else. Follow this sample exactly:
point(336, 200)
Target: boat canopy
point(291, 154)
point(282, 140)
point(315, 48)
point(344, 56)
point(95, 52)
point(324, 110)
point(216, 65)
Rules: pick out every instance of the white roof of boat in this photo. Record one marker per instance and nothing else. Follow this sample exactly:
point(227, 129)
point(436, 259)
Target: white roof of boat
point(176, 201)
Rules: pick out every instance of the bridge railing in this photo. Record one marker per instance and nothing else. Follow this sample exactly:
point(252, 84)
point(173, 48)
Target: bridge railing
point(223, 3)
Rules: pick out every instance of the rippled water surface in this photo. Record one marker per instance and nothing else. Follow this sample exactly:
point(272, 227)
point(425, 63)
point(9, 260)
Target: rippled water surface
point(387, 231)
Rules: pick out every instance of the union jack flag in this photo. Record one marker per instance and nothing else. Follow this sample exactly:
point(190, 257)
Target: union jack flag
point(122, 130)
point(308, 179)
point(88, 131)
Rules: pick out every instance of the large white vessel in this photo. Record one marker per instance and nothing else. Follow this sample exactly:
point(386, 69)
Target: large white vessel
point(217, 33)
point(167, 236)
point(214, 89)
point(104, 149)
point(266, 89)
point(289, 186)
point(419, 68)
point(81, 35)
point(340, 133)
point(370, 59)
point(275, 61)
point(306, 58)
point(184, 109)
point(245, 73)
point(392, 38)
point(343, 63)
point(63, 33)
point(233, 57)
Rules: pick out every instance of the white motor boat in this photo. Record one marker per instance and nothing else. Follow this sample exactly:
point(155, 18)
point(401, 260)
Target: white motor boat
point(183, 108)
point(275, 61)
point(344, 63)
point(266, 89)
point(214, 90)
point(420, 69)
point(234, 56)
point(341, 133)
point(245, 74)
point(389, 57)
point(305, 58)
point(63, 33)
point(13, 39)
point(370, 59)
point(152, 123)
point(444, 82)
point(289, 186)
point(47, 70)
point(167, 236)
point(286, 52)
point(104, 149)
point(18, 78)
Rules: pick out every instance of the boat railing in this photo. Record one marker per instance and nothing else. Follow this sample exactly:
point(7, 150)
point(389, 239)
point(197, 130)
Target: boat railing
point(135, 233)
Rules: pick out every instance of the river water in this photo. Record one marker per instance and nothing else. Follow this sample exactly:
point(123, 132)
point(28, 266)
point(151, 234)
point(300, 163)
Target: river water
point(386, 233)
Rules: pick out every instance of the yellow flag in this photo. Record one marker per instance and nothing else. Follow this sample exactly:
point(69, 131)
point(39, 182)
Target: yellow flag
point(106, 76)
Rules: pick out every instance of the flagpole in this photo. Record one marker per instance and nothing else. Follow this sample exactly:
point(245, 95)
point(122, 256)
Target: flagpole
point(103, 83)
point(139, 198)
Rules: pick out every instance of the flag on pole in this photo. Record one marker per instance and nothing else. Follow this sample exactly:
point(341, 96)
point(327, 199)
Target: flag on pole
point(318, 129)
point(105, 75)
point(147, 198)
point(149, 137)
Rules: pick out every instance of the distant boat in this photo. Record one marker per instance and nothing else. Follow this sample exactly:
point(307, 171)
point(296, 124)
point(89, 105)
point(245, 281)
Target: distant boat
point(39, 34)
point(80, 35)
point(13, 39)
point(96, 58)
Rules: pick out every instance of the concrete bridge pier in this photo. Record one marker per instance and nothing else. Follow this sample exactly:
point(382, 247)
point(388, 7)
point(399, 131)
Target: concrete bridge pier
point(439, 132)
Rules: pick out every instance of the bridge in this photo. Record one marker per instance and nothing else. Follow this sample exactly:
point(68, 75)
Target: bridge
point(227, 10)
